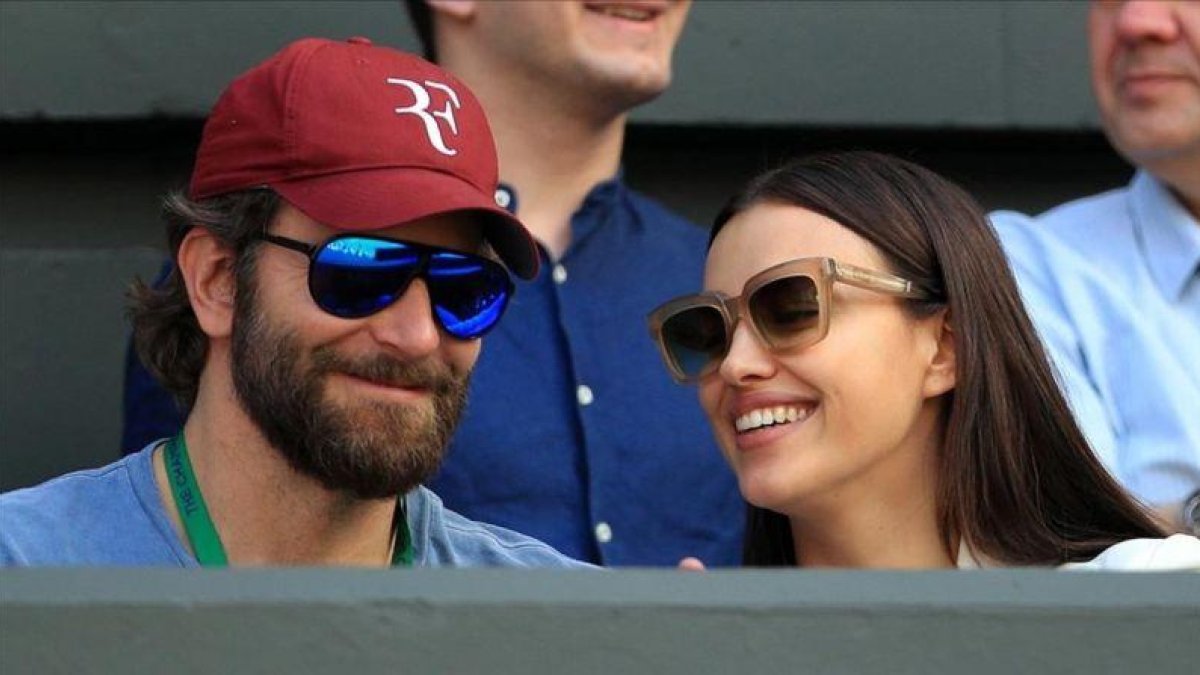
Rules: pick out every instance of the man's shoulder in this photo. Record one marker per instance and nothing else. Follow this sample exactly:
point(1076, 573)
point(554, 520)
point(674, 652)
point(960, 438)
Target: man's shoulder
point(94, 516)
point(1077, 237)
point(1077, 222)
point(446, 539)
point(1079, 218)
point(69, 492)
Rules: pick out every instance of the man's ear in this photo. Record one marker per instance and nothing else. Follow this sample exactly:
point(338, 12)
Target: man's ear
point(207, 269)
point(943, 367)
point(455, 9)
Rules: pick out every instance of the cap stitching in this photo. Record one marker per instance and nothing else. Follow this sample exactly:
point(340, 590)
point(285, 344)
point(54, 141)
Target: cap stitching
point(295, 81)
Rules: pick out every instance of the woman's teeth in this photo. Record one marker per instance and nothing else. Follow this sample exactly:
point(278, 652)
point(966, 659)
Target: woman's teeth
point(765, 417)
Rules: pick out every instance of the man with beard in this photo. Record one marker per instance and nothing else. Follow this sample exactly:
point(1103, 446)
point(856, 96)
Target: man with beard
point(611, 462)
point(335, 268)
point(1113, 280)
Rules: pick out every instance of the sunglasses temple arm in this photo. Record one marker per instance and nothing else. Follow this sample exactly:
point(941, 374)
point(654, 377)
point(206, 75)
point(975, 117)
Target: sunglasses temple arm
point(299, 246)
point(878, 281)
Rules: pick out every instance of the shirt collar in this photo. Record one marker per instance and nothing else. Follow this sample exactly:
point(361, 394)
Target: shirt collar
point(602, 192)
point(597, 208)
point(1169, 236)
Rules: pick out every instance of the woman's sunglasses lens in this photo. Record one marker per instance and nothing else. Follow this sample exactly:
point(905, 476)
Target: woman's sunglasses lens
point(694, 338)
point(354, 277)
point(469, 294)
point(786, 309)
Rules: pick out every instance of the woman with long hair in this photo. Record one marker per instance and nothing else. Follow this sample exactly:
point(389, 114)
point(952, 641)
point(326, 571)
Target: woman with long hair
point(868, 369)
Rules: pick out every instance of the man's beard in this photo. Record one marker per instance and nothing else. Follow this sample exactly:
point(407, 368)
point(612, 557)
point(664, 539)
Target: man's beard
point(370, 448)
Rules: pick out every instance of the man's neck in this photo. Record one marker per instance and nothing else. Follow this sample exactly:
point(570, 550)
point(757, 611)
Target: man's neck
point(553, 147)
point(1181, 175)
point(265, 512)
point(1188, 193)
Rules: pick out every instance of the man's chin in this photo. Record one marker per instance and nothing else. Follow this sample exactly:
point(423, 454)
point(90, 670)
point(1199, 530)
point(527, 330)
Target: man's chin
point(371, 465)
point(631, 79)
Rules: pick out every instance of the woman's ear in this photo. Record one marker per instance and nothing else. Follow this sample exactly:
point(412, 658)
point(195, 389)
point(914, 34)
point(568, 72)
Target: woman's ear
point(207, 269)
point(943, 367)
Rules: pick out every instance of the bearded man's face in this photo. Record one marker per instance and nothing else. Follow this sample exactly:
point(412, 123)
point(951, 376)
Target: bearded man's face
point(371, 447)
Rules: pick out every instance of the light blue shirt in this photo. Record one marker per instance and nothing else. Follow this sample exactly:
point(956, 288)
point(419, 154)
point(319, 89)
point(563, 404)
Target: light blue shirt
point(1112, 283)
point(114, 516)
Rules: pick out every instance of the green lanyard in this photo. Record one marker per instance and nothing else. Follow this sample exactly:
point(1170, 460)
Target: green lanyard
point(206, 543)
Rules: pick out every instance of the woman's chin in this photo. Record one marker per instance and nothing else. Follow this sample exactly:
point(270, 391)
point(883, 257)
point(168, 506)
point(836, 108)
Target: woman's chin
point(767, 492)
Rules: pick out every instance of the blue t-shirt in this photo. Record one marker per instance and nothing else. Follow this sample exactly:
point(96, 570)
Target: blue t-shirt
point(574, 433)
point(114, 516)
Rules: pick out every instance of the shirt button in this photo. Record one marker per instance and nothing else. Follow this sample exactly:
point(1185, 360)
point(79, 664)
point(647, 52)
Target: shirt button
point(559, 274)
point(503, 198)
point(603, 533)
point(583, 394)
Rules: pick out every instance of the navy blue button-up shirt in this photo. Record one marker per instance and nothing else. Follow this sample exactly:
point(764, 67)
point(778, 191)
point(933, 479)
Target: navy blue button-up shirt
point(574, 433)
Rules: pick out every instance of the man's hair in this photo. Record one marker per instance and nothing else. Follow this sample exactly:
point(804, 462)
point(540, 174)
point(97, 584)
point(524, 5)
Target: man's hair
point(166, 334)
point(1017, 480)
point(422, 20)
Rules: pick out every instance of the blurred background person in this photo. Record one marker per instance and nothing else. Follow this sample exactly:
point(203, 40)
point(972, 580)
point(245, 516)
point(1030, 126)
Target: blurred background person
point(573, 435)
point(1112, 281)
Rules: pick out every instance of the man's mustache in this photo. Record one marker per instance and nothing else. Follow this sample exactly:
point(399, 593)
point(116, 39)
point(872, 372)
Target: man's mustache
point(1158, 62)
point(386, 370)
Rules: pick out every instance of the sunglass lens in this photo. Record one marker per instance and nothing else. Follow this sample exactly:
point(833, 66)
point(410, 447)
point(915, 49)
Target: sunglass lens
point(354, 277)
point(694, 338)
point(469, 293)
point(786, 310)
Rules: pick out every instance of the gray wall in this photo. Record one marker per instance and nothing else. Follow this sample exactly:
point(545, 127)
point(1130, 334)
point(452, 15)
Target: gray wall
point(880, 63)
point(101, 105)
point(492, 621)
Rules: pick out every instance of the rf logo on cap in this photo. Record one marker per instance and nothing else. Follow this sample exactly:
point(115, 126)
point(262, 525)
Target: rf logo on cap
point(420, 108)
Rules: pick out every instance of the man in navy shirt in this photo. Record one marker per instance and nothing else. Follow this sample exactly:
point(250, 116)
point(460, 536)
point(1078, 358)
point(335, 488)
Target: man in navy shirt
point(574, 432)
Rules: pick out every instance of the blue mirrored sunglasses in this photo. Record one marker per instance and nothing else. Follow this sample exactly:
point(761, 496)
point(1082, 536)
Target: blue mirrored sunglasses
point(353, 276)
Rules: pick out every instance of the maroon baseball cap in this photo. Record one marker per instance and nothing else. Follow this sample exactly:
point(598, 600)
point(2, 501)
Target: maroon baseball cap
point(359, 137)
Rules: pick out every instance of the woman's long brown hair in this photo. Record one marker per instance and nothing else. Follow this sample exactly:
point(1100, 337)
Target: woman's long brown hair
point(1017, 480)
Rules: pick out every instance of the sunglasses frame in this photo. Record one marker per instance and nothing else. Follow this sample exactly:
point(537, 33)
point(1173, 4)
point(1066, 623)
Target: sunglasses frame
point(426, 253)
point(824, 273)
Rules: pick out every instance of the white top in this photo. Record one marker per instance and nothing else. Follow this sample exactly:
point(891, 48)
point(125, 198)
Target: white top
point(1179, 552)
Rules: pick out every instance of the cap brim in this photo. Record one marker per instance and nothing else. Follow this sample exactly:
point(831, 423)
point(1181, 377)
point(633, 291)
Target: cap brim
point(377, 198)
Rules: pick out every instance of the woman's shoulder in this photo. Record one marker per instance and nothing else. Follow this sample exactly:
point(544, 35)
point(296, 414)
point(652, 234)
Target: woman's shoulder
point(1177, 552)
